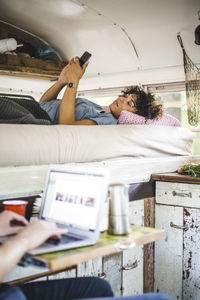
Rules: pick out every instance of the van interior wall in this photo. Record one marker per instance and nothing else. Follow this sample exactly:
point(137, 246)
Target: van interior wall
point(131, 41)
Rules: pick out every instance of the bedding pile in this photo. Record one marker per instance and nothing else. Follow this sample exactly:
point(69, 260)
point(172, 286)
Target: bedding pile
point(22, 111)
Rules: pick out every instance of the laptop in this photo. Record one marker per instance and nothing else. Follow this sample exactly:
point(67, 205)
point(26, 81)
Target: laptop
point(74, 198)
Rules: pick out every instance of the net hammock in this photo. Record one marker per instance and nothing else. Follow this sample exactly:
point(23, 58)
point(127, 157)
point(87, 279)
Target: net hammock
point(192, 86)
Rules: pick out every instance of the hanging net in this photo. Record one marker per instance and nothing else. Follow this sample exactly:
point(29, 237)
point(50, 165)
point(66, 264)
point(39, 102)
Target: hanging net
point(192, 86)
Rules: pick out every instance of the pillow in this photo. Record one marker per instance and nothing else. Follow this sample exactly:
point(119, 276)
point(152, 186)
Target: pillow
point(127, 117)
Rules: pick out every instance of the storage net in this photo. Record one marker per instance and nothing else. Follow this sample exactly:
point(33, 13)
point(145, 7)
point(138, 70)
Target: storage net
point(192, 86)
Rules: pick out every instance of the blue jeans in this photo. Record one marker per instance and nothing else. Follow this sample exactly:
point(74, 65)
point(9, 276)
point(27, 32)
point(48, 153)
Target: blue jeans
point(61, 289)
point(148, 296)
point(11, 292)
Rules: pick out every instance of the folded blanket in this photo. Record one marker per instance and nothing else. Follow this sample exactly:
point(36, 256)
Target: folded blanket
point(22, 111)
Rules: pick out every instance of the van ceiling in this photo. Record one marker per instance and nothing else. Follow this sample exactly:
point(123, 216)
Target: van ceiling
point(131, 41)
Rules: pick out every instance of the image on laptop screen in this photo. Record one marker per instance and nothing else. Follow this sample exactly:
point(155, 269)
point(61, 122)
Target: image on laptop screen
point(73, 199)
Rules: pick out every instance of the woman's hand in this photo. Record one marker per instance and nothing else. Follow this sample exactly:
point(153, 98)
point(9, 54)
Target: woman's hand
point(72, 72)
point(38, 232)
point(5, 222)
point(63, 76)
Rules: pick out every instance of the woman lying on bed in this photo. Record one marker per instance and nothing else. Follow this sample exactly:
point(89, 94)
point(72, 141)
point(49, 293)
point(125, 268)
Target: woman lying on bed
point(134, 106)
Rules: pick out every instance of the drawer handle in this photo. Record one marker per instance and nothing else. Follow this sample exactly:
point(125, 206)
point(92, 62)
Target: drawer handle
point(132, 266)
point(174, 193)
point(178, 226)
point(102, 275)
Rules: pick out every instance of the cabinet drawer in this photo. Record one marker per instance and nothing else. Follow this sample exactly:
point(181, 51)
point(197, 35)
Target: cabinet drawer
point(181, 194)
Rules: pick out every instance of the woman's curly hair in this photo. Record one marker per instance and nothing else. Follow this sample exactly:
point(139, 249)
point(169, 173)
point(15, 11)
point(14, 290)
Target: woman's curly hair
point(145, 104)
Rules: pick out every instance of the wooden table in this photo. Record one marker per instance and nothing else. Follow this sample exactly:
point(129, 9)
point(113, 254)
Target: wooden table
point(107, 245)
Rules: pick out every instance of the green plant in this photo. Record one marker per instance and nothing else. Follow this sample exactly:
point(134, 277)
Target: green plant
point(191, 169)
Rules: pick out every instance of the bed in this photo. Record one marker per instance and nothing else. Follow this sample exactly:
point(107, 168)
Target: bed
point(23, 145)
point(131, 152)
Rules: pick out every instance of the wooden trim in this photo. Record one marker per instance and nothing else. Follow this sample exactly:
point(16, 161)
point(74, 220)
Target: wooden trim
point(175, 177)
point(149, 221)
point(30, 67)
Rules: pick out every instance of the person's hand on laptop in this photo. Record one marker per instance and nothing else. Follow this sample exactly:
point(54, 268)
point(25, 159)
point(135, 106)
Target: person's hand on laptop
point(27, 238)
point(6, 219)
point(38, 232)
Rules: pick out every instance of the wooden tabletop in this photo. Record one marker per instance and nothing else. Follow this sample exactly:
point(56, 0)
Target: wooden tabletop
point(175, 177)
point(107, 245)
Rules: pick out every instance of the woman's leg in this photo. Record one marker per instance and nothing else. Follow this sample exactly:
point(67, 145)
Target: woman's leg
point(63, 289)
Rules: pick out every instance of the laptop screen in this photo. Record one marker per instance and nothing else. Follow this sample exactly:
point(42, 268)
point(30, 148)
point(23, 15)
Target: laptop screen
point(73, 199)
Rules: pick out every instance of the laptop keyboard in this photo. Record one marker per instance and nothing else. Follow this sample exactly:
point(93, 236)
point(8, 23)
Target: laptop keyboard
point(63, 240)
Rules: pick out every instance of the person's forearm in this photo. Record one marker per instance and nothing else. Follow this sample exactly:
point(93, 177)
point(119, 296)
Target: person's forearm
point(72, 73)
point(52, 92)
point(67, 106)
point(10, 254)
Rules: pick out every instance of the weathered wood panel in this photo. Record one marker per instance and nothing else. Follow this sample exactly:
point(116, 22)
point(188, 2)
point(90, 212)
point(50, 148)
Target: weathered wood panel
point(191, 256)
point(168, 252)
point(142, 213)
point(149, 221)
point(181, 194)
point(90, 268)
point(112, 271)
point(132, 271)
point(132, 260)
point(136, 212)
point(65, 274)
point(133, 282)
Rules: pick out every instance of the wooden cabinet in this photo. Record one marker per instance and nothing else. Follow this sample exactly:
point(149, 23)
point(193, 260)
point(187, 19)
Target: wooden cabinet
point(177, 258)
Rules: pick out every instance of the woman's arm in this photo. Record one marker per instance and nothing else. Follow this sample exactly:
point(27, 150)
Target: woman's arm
point(52, 92)
point(66, 115)
point(55, 89)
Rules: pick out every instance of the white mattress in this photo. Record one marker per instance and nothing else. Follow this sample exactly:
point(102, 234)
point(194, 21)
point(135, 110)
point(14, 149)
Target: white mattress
point(22, 145)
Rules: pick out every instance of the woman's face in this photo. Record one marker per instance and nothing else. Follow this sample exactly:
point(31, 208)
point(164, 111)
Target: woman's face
point(126, 102)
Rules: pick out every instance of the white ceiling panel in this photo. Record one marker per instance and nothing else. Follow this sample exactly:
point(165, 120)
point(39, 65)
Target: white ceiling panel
point(124, 36)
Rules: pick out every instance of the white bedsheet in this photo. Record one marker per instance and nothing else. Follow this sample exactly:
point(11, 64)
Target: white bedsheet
point(22, 145)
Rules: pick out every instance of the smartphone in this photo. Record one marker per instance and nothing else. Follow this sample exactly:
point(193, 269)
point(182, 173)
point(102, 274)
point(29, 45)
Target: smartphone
point(86, 55)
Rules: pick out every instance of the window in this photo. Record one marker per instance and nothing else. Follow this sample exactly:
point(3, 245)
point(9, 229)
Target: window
point(175, 104)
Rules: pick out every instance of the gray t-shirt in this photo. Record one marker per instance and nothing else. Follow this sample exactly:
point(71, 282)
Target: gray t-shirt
point(84, 109)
